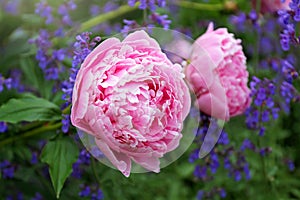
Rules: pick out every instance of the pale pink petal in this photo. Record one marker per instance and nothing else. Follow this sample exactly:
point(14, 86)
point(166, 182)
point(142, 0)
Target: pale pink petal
point(141, 35)
point(149, 163)
point(119, 160)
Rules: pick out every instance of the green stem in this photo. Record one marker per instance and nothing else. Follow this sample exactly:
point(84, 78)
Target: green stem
point(106, 16)
point(29, 126)
point(94, 171)
point(31, 133)
point(66, 110)
point(200, 6)
point(262, 161)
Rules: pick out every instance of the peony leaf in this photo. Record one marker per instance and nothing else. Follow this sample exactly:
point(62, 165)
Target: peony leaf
point(60, 156)
point(29, 108)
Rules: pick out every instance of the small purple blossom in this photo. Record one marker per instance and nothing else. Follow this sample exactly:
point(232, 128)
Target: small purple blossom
point(3, 127)
point(288, 20)
point(64, 10)
point(129, 25)
point(7, 169)
point(151, 4)
point(34, 158)
point(65, 123)
point(45, 11)
point(37, 196)
point(85, 191)
point(291, 165)
point(161, 20)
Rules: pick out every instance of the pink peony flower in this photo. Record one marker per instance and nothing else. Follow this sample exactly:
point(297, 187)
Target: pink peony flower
point(217, 73)
point(132, 99)
point(271, 5)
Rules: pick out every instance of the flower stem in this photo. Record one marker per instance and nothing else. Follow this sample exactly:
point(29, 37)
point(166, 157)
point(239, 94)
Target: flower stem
point(106, 16)
point(262, 161)
point(94, 170)
point(30, 133)
point(199, 6)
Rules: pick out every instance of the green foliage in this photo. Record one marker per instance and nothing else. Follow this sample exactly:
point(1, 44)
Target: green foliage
point(29, 108)
point(60, 155)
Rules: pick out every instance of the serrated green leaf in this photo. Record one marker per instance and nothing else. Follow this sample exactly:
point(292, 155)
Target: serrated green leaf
point(29, 108)
point(60, 156)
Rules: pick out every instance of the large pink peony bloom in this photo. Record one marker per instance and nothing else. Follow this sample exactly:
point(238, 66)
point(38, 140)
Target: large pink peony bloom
point(218, 74)
point(271, 5)
point(132, 99)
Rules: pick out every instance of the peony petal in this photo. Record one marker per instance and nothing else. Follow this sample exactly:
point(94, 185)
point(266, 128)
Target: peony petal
point(121, 161)
point(100, 49)
point(214, 102)
point(141, 35)
point(149, 163)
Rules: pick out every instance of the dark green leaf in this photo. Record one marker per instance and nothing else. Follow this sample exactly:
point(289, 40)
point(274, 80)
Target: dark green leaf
point(29, 108)
point(60, 156)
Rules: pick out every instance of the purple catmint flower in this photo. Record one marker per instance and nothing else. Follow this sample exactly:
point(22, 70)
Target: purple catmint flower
point(200, 194)
point(95, 10)
point(161, 20)
point(247, 172)
point(7, 169)
point(288, 20)
point(288, 71)
point(84, 157)
point(1, 83)
point(45, 11)
point(110, 6)
point(59, 54)
point(151, 4)
point(194, 156)
point(85, 191)
point(227, 163)
point(12, 82)
point(3, 127)
point(77, 172)
point(12, 7)
point(64, 10)
point(37, 196)
point(222, 193)
point(247, 144)
point(65, 123)
point(239, 21)
point(237, 175)
point(214, 164)
point(295, 7)
point(83, 160)
point(52, 73)
point(98, 195)
point(34, 158)
point(200, 172)
point(291, 165)
point(129, 25)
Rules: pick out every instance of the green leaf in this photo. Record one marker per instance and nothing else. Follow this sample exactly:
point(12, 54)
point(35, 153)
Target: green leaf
point(60, 156)
point(29, 108)
point(35, 77)
point(295, 192)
